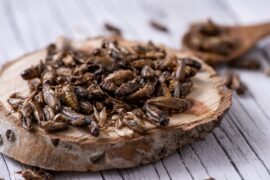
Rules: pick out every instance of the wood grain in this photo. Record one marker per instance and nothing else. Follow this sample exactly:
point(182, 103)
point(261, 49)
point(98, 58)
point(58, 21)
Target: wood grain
point(239, 149)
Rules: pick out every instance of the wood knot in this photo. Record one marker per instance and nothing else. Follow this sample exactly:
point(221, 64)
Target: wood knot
point(10, 135)
point(98, 158)
point(55, 142)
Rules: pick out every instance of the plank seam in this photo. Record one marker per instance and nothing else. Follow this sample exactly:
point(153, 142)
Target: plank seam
point(185, 166)
point(203, 165)
point(102, 176)
point(156, 170)
point(229, 138)
point(165, 169)
point(120, 174)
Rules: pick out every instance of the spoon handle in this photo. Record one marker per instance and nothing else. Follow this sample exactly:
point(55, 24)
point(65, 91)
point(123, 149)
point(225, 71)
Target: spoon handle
point(258, 31)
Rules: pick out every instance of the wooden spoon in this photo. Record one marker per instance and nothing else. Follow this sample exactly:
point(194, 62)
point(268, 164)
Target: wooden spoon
point(247, 36)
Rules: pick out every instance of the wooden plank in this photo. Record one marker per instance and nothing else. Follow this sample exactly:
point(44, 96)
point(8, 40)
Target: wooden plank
point(13, 167)
point(254, 127)
point(217, 163)
point(138, 20)
point(112, 174)
point(193, 163)
point(256, 133)
point(245, 159)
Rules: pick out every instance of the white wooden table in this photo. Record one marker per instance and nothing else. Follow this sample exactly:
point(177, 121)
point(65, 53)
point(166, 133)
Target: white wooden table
point(239, 149)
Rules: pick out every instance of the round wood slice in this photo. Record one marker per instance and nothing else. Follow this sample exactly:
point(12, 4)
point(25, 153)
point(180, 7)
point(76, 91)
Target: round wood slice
point(76, 150)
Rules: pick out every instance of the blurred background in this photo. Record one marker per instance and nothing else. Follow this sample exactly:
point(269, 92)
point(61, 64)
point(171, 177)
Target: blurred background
point(31, 24)
point(239, 149)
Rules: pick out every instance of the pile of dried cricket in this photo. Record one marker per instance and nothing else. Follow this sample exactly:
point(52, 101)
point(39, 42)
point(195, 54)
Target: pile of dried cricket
point(113, 85)
point(211, 38)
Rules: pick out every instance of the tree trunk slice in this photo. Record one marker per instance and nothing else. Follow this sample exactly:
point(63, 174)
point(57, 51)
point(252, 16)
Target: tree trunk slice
point(76, 150)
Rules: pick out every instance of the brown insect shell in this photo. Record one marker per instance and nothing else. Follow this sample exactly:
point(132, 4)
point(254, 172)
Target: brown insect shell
point(69, 97)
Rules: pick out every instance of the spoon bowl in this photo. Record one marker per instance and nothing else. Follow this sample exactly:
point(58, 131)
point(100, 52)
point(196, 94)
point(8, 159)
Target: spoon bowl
point(246, 35)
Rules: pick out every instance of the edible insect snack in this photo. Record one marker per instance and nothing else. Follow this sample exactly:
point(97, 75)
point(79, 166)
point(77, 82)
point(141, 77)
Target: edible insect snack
point(89, 89)
point(112, 28)
point(106, 103)
point(35, 174)
point(234, 82)
point(158, 26)
point(208, 37)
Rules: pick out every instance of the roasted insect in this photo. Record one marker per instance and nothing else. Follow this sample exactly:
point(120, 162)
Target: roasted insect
point(50, 97)
point(156, 115)
point(160, 27)
point(34, 174)
point(73, 117)
point(69, 97)
point(170, 103)
point(211, 38)
point(113, 87)
point(112, 29)
point(134, 122)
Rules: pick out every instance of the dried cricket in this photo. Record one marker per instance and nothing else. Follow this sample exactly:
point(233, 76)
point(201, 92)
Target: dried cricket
point(156, 115)
point(134, 122)
point(158, 26)
point(113, 87)
point(86, 107)
point(211, 38)
point(69, 97)
point(113, 29)
point(170, 103)
point(92, 126)
point(48, 112)
point(32, 174)
point(52, 125)
point(50, 97)
point(233, 82)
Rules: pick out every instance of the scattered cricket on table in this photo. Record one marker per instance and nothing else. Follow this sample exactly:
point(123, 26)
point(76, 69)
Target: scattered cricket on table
point(82, 89)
